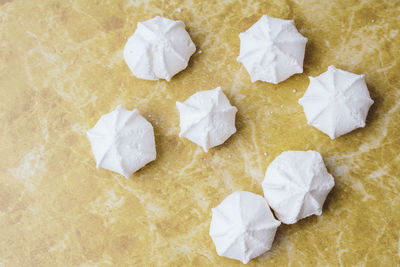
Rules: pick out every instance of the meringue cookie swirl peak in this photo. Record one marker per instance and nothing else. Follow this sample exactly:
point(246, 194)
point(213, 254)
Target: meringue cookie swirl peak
point(122, 141)
point(207, 118)
point(336, 102)
point(159, 49)
point(272, 50)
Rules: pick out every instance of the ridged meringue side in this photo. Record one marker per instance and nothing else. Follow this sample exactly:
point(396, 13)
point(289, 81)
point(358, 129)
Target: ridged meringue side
point(122, 141)
point(336, 102)
point(296, 185)
point(272, 50)
point(159, 49)
point(243, 226)
point(207, 118)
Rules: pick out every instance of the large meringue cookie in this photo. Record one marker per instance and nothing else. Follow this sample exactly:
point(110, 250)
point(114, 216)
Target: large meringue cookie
point(122, 141)
point(272, 50)
point(207, 118)
point(296, 185)
point(336, 102)
point(159, 49)
point(242, 226)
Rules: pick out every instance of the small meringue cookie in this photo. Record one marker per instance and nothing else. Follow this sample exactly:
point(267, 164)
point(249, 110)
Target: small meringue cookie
point(122, 141)
point(159, 49)
point(243, 226)
point(207, 118)
point(272, 50)
point(336, 102)
point(296, 185)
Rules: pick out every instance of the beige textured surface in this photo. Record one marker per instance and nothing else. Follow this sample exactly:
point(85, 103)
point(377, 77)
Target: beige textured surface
point(61, 68)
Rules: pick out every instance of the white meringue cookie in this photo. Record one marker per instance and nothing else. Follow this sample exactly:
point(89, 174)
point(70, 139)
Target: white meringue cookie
point(159, 49)
point(243, 226)
point(272, 50)
point(122, 141)
point(336, 102)
point(296, 185)
point(207, 118)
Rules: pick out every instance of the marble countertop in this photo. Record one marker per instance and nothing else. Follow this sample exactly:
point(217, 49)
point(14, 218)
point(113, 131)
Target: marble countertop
point(61, 68)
